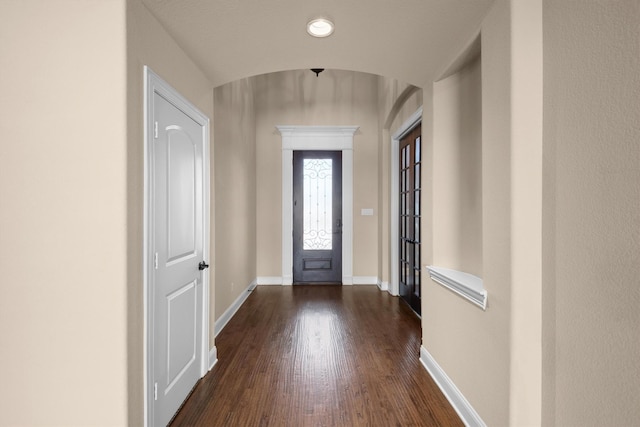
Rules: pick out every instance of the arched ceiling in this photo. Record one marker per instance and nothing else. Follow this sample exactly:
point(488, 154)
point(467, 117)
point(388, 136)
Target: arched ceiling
point(410, 40)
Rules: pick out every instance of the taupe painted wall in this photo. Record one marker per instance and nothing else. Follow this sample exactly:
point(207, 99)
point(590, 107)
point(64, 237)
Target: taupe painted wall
point(472, 345)
point(397, 101)
point(592, 213)
point(234, 155)
point(457, 136)
point(492, 356)
point(63, 213)
point(72, 191)
point(300, 98)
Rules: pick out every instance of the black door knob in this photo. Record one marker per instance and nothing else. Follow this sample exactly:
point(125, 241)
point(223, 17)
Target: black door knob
point(202, 265)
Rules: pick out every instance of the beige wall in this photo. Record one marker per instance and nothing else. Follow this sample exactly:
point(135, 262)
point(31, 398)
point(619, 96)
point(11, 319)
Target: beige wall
point(149, 44)
point(63, 213)
point(494, 357)
point(397, 101)
point(592, 214)
point(558, 351)
point(300, 98)
point(471, 345)
point(526, 213)
point(457, 140)
point(74, 109)
point(235, 203)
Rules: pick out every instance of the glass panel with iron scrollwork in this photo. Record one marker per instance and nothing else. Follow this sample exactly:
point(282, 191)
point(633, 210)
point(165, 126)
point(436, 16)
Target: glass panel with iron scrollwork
point(317, 204)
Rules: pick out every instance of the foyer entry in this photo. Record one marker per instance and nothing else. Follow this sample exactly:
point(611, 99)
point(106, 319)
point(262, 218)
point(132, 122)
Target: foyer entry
point(317, 138)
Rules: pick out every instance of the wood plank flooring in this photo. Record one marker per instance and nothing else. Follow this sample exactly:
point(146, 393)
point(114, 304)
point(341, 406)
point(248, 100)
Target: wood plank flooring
point(318, 356)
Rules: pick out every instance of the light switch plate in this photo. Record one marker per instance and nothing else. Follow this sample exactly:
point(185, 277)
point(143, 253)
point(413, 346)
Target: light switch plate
point(366, 212)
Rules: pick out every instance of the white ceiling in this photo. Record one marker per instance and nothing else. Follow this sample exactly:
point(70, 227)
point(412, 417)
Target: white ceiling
point(410, 40)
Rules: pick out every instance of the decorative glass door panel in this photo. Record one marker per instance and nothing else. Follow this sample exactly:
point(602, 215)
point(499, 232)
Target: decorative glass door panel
point(317, 217)
point(317, 189)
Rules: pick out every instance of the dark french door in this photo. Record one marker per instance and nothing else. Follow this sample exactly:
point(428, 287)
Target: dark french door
point(410, 213)
point(317, 217)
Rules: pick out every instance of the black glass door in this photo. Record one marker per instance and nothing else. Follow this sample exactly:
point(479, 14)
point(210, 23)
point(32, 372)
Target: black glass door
point(317, 217)
point(410, 213)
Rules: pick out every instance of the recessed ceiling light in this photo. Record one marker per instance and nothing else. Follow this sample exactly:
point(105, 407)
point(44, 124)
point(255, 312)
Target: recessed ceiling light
point(320, 27)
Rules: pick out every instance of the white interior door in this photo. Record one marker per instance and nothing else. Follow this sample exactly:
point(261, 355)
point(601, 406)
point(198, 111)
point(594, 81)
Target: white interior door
point(177, 249)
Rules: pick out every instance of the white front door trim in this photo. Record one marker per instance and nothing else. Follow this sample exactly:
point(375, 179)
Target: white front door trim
point(406, 127)
point(338, 138)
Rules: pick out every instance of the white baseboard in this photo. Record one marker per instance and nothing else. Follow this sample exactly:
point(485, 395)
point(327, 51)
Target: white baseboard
point(229, 312)
point(365, 280)
point(467, 414)
point(269, 280)
point(346, 280)
point(384, 286)
point(213, 357)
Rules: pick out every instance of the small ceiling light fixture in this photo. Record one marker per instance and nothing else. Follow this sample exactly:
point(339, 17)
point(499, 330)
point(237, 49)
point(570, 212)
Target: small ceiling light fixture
point(320, 27)
point(317, 70)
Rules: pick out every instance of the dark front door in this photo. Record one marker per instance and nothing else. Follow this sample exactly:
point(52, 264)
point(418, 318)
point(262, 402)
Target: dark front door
point(317, 217)
point(410, 241)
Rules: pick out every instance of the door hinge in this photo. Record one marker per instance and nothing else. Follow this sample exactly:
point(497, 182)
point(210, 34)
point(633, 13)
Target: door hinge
point(155, 129)
point(155, 260)
point(155, 391)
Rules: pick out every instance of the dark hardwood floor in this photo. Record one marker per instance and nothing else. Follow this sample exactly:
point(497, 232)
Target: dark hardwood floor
point(318, 356)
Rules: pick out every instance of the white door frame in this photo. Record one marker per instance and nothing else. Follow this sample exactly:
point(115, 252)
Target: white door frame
point(405, 128)
point(154, 84)
point(330, 138)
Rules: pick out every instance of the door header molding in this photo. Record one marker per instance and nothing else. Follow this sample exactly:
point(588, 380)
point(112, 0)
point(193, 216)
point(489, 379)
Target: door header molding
point(408, 125)
point(317, 137)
